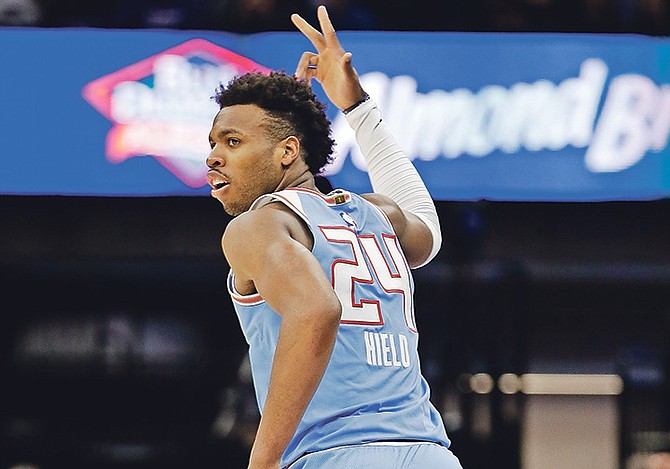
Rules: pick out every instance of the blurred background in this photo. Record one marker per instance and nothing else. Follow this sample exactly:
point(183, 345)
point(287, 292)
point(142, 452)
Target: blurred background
point(613, 16)
point(544, 324)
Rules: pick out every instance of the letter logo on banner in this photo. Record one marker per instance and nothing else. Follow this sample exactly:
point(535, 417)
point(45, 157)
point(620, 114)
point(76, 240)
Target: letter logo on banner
point(635, 119)
point(532, 117)
point(162, 107)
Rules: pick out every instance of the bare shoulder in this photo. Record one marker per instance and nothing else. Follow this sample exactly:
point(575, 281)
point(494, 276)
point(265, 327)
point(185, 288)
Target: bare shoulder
point(414, 235)
point(380, 200)
point(258, 230)
point(394, 213)
point(264, 243)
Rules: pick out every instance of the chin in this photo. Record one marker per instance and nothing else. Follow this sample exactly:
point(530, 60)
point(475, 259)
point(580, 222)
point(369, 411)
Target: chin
point(232, 210)
point(232, 213)
point(226, 208)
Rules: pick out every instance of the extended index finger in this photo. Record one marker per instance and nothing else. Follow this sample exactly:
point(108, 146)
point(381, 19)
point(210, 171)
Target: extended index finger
point(314, 36)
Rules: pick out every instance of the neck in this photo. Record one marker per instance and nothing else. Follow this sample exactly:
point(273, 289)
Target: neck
point(296, 177)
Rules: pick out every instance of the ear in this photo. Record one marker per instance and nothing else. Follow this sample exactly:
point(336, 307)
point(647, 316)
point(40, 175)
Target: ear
point(289, 149)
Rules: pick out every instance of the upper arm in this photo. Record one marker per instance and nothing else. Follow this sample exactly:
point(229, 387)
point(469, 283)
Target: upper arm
point(414, 235)
point(262, 252)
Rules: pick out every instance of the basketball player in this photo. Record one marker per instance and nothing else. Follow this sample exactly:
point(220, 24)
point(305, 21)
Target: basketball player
point(321, 282)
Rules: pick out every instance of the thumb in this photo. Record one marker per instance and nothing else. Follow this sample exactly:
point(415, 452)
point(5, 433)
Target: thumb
point(347, 66)
point(345, 61)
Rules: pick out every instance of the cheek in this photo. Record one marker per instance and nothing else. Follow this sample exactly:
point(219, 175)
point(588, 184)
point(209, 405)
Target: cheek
point(261, 176)
point(266, 168)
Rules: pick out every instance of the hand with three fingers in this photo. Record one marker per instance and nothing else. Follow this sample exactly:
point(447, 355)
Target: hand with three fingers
point(331, 65)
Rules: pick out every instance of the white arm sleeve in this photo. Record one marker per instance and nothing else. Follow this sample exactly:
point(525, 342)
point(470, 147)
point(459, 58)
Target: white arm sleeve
point(391, 173)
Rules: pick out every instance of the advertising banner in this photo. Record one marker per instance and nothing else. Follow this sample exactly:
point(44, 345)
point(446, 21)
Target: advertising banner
point(546, 117)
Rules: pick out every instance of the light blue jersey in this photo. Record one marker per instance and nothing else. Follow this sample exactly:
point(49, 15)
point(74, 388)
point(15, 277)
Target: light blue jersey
point(372, 389)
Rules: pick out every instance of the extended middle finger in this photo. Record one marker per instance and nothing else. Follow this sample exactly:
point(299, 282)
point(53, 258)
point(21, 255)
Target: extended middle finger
point(329, 35)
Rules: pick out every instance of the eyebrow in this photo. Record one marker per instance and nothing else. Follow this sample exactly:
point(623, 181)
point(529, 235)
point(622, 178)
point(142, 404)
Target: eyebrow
point(223, 132)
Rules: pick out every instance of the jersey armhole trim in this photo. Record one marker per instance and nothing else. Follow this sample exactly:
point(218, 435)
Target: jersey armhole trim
point(384, 216)
point(244, 300)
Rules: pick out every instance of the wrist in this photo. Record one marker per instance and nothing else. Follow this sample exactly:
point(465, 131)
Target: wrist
point(363, 99)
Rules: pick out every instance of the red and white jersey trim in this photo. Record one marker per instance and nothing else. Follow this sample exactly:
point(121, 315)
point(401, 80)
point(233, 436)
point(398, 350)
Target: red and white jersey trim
point(244, 300)
point(291, 198)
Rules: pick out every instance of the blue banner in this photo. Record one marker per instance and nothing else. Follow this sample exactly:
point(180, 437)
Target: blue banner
point(545, 117)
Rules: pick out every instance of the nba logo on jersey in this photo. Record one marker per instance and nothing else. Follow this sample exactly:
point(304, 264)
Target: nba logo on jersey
point(349, 221)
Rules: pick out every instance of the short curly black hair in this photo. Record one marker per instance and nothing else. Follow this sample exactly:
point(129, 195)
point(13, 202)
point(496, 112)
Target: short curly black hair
point(293, 109)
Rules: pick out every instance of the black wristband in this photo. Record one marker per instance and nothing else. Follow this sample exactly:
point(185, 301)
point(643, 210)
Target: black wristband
point(356, 104)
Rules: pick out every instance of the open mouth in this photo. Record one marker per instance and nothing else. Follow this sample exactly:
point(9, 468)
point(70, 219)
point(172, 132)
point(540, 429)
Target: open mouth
point(217, 181)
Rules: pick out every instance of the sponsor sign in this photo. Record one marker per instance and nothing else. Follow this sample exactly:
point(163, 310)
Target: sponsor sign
point(534, 117)
point(482, 116)
point(162, 106)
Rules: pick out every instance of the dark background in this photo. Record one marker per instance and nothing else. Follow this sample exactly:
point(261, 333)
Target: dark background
point(121, 348)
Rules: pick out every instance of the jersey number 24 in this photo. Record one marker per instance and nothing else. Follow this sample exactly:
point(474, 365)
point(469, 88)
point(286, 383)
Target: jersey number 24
point(370, 266)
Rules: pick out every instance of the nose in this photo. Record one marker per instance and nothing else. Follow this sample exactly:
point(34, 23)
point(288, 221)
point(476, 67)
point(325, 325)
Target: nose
point(214, 160)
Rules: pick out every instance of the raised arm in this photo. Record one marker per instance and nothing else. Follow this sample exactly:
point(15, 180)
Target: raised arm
point(392, 174)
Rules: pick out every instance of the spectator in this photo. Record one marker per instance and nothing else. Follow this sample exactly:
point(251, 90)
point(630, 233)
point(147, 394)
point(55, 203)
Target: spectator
point(349, 14)
point(651, 17)
point(598, 16)
point(20, 13)
point(252, 16)
point(166, 14)
point(508, 16)
point(77, 13)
